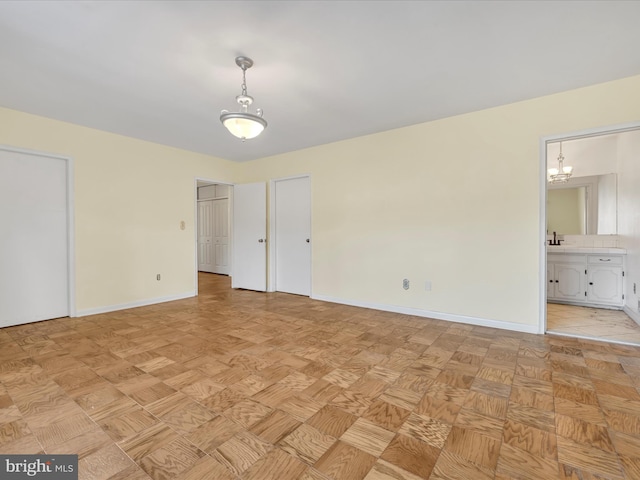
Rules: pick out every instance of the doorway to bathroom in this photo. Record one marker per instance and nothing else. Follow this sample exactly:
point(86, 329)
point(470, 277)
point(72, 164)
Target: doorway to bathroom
point(591, 234)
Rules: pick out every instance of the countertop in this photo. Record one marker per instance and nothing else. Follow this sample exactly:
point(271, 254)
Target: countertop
point(577, 249)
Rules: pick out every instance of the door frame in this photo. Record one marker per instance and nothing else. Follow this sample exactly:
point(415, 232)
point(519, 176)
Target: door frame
point(271, 255)
point(70, 203)
point(542, 186)
point(209, 181)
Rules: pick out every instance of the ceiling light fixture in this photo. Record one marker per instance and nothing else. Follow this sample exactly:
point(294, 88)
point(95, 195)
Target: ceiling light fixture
point(562, 173)
point(243, 124)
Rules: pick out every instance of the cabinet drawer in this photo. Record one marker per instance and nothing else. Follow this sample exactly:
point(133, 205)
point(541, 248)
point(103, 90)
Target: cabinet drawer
point(565, 258)
point(605, 260)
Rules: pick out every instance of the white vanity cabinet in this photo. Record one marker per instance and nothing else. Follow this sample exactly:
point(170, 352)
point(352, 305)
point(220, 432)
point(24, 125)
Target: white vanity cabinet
point(605, 277)
point(586, 279)
point(566, 277)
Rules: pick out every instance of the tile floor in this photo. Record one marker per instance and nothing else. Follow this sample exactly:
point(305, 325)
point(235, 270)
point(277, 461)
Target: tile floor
point(596, 323)
point(238, 385)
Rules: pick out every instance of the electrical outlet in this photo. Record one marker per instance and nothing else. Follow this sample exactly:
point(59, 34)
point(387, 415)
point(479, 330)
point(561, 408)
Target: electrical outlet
point(405, 284)
point(158, 277)
point(427, 285)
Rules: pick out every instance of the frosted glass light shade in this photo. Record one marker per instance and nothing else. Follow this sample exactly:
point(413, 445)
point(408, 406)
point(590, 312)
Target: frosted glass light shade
point(243, 125)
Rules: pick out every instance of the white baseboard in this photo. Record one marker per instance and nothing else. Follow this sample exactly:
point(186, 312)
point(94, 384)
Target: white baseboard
point(593, 339)
point(635, 316)
point(481, 322)
point(139, 303)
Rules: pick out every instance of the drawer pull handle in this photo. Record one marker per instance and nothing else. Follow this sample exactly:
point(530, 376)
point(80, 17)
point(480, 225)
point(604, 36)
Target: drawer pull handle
point(605, 259)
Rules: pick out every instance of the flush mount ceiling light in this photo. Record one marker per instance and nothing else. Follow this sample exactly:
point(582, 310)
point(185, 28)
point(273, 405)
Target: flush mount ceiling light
point(243, 124)
point(562, 173)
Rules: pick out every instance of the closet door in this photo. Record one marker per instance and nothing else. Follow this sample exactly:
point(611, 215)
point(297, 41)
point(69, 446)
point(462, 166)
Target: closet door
point(34, 262)
point(293, 235)
point(205, 236)
point(221, 236)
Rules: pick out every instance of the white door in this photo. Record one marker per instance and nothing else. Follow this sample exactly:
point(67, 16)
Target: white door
point(34, 277)
point(292, 235)
point(205, 236)
point(221, 236)
point(249, 237)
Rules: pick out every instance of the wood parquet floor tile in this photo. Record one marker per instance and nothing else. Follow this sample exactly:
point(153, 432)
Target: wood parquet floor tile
point(240, 385)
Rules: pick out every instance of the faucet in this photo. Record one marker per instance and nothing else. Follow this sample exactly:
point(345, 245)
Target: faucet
point(554, 241)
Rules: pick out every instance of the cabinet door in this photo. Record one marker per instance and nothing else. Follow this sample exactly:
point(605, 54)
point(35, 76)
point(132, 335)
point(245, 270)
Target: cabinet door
point(551, 285)
point(604, 284)
point(569, 282)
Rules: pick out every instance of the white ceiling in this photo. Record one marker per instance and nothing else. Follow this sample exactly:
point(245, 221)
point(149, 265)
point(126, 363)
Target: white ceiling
point(324, 70)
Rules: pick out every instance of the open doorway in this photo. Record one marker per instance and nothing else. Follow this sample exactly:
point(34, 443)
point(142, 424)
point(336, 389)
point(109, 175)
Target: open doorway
point(213, 228)
point(591, 235)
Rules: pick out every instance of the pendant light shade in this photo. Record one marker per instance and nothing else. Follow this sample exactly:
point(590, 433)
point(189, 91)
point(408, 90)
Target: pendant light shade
point(243, 124)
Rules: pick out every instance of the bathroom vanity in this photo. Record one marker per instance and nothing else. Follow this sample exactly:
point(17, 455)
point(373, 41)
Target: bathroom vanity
point(585, 276)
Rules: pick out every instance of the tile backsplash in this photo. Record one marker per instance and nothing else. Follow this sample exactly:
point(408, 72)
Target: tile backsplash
point(607, 241)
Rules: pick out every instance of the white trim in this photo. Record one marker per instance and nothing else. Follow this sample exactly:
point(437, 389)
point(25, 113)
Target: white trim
point(635, 316)
point(481, 322)
point(271, 277)
point(593, 339)
point(71, 231)
point(138, 303)
point(71, 237)
point(542, 236)
point(195, 225)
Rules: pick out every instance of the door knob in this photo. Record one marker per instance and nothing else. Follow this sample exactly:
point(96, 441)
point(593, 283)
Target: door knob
point(260, 240)
point(307, 240)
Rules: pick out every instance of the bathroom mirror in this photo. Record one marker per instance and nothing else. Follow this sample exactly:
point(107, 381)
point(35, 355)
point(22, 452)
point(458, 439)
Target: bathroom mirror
point(583, 206)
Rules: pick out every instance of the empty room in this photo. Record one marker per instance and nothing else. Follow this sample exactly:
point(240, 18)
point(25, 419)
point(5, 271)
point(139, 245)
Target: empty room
point(319, 240)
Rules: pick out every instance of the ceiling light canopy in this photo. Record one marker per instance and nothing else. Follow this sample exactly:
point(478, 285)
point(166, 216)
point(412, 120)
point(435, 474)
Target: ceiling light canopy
point(243, 124)
point(562, 173)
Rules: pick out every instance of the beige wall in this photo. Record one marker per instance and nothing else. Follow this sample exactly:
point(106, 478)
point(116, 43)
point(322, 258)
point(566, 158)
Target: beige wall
point(130, 197)
point(454, 201)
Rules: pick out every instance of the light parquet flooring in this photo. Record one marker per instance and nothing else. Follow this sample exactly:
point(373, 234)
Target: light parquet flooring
point(594, 323)
point(239, 385)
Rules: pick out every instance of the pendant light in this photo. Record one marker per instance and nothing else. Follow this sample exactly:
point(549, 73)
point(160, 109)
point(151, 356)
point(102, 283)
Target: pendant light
point(243, 124)
point(562, 173)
